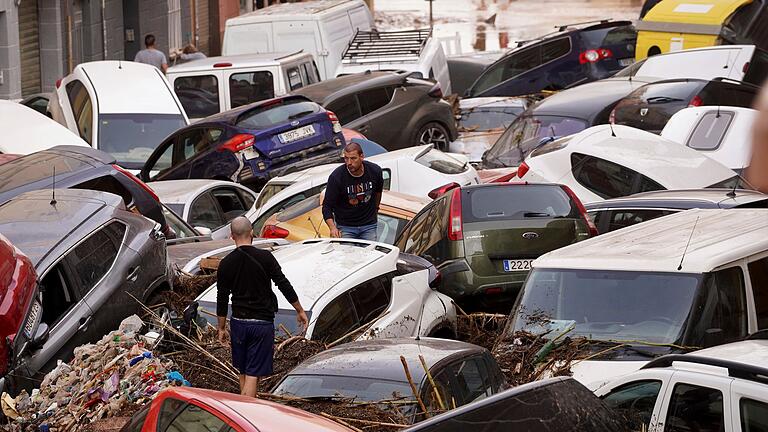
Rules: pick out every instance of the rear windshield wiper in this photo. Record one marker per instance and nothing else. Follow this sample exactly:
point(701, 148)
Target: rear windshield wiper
point(535, 214)
point(662, 99)
point(300, 114)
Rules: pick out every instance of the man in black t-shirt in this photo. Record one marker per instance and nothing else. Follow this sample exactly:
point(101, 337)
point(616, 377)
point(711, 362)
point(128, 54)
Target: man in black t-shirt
point(247, 274)
point(352, 196)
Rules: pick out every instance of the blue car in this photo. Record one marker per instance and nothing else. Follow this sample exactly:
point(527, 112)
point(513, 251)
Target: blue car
point(250, 144)
point(566, 58)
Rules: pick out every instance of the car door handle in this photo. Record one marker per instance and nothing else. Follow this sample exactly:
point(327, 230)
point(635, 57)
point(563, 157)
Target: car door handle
point(363, 129)
point(133, 274)
point(84, 321)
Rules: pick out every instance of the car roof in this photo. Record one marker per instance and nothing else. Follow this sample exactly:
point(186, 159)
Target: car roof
point(326, 90)
point(231, 116)
point(181, 191)
point(720, 237)
point(664, 161)
point(683, 199)
point(27, 131)
point(237, 61)
point(264, 415)
point(380, 358)
point(320, 266)
point(588, 100)
point(749, 352)
point(36, 226)
point(493, 101)
point(293, 11)
point(130, 87)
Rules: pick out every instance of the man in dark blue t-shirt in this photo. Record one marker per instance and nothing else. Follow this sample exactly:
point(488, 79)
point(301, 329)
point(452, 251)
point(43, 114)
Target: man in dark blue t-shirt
point(352, 196)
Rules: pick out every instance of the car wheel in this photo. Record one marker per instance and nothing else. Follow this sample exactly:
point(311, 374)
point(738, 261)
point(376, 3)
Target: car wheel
point(433, 133)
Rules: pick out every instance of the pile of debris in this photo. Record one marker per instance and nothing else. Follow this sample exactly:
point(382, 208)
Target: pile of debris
point(113, 377)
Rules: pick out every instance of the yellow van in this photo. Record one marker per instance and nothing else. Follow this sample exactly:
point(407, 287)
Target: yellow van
point(674, 25)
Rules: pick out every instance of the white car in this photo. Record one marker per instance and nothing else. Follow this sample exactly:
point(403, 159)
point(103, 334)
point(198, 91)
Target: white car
point(27, 131)
point(205, 204)
point(414, 171)
point(120, 107)
point(723, 388)
point(612, 161)
point(722, 133)
point(346, 285)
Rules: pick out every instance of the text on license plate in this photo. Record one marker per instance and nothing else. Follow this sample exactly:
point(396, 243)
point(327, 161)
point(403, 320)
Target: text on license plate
point(517, 265)
point(626, 61)
point(29, 325)
point(297, 134)
point(250, 153)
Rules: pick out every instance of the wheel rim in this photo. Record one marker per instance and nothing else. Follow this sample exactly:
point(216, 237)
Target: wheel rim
point(434, 135)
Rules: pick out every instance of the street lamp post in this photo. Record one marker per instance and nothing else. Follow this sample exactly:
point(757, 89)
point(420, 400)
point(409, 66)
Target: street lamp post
point(431, 22)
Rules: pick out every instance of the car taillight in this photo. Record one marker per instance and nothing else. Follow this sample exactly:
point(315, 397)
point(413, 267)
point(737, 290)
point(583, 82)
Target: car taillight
point(434, 193)
point(436, 91)
point(238, 143)
point(138, 182)
point(695, 102)
point(745, 68)
point(274, 231)
point(221, 65)
point(591, 225)
point(455, 230)
point(522, 169)
point(594, 55)
point(58, 82)
point(334, 121)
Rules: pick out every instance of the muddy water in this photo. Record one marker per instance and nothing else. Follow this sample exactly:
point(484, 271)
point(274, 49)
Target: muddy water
point(465, 20)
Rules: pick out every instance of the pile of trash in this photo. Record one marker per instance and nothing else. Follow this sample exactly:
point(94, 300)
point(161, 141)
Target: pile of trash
point(114, 376)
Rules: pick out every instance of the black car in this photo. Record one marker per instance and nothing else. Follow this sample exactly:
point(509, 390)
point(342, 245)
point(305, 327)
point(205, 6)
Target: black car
point(652, 105)
point(569, 57)
point(564, 113)
point(390, 108)
point(79, 168)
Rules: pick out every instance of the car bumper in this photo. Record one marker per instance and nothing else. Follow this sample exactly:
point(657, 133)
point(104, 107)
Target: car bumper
point(253, 171)
point(463, 285)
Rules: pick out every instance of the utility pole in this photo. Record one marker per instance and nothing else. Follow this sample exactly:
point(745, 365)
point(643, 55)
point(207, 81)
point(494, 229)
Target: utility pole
point(431, 21)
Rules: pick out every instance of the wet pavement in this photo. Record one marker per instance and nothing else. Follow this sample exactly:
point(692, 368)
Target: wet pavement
point(514, 20)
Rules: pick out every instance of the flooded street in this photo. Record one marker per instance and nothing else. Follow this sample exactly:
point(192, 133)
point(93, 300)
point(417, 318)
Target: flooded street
point(473, 25)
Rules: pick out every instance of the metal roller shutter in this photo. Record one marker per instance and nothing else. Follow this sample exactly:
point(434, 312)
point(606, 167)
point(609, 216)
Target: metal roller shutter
point(29, 42)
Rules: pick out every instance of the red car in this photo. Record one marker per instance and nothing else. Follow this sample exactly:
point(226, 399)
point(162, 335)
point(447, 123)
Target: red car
point(192, 409)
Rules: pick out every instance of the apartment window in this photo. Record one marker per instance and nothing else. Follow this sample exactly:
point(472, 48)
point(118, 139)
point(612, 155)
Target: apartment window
point(174, 25)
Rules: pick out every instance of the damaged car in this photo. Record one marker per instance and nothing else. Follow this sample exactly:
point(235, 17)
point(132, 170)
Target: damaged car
point(358, 289)
point(91, 257)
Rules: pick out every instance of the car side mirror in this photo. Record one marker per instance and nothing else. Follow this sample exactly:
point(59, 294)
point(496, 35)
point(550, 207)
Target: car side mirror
point(41, 335)
point(203, 231)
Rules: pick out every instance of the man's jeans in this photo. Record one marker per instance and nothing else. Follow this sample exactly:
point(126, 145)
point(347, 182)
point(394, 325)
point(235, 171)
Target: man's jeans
point(365, 232)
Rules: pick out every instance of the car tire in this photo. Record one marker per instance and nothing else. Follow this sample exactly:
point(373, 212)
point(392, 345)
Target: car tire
point(433, 133)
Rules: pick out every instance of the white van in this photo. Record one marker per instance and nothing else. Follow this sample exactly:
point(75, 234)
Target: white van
point(217, 84)
point(120, 107)
point(322, 28)
point(411, 50)
point(694, 279)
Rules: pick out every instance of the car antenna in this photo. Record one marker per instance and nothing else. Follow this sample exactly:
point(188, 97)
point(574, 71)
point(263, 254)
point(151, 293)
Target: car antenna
point(680, 266)
point(53, 189)
point(613, 134)
point(732, 193)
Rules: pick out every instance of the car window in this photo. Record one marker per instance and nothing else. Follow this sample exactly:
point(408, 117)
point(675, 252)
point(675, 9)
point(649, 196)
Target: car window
point(436, 230)
point(555, 49)
point(248, 199)
point(758, 275)
point(92, 258)
point(82, 109)
point(59, 294)
point(372, 100)
point(136, 424)
point(371, 298)
point(193, 417)
point(473, 382)
point(514, 64)
point(487, 118)
point(131, 138)
point(440, 397)
point(271, 115)
point(336, 320)
point(230, 202)
point(436, 160)
point(284, 204)
point(721, 309)
point(194, 142)
point(386, 175)
point(248, 87)
point(294, 78)
point(758, 67)
point(604, 178)
point(168, 411)
point(108, 183)
point(624, 218)
point(309, 70)
point(710, 130)
point(346, 109)
point(299, 208)
point(607, 36)
point(415, 240)
point(635, 401)
point(205, 213)
point(754, 415)
point(199, 95)
point(506, 202)
point(179, 228)
point(164, 161)
point(388, 228)
point(695, 408)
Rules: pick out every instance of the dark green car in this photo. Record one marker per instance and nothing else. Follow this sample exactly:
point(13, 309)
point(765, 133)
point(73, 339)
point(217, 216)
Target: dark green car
point(483, 238)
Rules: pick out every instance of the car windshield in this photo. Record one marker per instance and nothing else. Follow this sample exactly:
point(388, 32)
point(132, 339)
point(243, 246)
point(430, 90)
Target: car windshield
point(179, 228)
point(525, 134)
point(362, 389)
point(505, 202)
point(268, 191)
point(131, 138)
point(607, 305)
point(272, 115)
point(486, 118)
point(441, 162)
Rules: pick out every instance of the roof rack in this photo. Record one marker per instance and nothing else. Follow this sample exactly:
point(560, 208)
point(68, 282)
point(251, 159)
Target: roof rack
point(376, 45)
point(565, 26)
point(735, 369)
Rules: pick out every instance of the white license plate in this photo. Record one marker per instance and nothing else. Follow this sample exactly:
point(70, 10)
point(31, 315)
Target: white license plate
point(250, 153)
point(34, 313)
point(297, 134)
point(626, 61)
point(517, 265)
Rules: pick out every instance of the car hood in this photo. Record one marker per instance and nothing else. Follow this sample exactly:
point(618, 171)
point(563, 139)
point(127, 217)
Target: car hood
point(597, 373)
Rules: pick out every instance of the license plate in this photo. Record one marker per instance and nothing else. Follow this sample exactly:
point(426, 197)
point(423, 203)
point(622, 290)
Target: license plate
point(517, 265)
point(32, 318)
point(297, 134)
point(626, 61)
point(250, 153)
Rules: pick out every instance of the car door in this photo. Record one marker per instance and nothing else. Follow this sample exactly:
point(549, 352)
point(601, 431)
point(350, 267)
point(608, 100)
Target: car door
point(205, 212)
point(334, 320)
point(348, 112)
point(473, 380)
point(556, 69)
point(758, 278)
point(639, 400)
point(379, 114)
point(696, 401)
point(749, 406)
point(230, 202)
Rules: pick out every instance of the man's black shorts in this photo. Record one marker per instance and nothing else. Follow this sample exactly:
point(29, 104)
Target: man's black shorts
point(253, 344)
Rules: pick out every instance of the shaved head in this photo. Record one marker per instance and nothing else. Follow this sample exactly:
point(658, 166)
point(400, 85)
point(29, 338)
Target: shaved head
point(353, 146)
point(241, 228)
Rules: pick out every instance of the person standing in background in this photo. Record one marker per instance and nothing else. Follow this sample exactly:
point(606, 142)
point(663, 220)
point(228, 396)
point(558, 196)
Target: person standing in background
point(151, 55)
